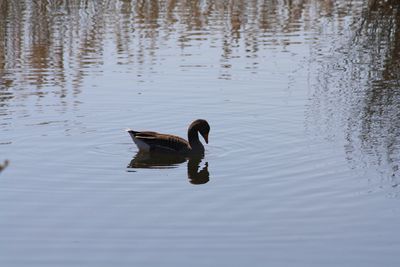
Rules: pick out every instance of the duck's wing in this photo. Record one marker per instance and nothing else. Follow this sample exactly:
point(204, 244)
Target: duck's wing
point(153, 141)
point(164, 142)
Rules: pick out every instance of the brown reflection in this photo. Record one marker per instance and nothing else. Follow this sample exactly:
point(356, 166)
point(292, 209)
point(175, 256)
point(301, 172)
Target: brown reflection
point(152, 160)
point(58, 43)
point(362, 86)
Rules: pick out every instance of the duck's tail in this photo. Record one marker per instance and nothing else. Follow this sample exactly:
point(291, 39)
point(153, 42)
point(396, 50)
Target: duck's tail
point(130, 131)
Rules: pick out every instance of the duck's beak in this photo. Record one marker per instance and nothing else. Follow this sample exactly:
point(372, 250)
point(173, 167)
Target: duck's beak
point(206, 138)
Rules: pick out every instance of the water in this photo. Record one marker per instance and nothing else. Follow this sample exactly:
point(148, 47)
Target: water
point(302, 164)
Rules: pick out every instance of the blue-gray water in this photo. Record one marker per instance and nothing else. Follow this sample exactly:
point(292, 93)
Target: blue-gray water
point(302, 164)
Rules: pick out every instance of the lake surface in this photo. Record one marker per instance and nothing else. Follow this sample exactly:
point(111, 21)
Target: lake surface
point(301, 168)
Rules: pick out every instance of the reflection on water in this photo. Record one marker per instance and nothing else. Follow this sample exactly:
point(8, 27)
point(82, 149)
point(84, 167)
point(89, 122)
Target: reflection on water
point(152, 160)
point(358, 91)
point(58, 43)
point(156, 160)
point(195, 176)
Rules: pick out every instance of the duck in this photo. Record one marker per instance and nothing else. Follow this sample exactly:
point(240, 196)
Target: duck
point(148, 141)
point(3, 166)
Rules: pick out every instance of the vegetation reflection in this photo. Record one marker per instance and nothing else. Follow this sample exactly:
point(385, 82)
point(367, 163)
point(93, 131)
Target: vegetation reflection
point(57, 43)
point(362, 84)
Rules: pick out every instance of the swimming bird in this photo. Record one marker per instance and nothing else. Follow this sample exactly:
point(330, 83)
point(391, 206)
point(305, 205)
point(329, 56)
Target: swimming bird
point(153, 141)
point(3, 166)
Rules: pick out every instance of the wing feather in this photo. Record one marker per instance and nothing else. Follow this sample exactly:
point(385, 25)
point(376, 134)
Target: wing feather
point(157, 141)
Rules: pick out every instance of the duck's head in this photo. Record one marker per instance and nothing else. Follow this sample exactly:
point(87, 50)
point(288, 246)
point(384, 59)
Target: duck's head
point(202, 127)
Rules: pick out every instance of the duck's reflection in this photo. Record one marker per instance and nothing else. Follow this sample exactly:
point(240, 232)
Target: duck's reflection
point(195, 176)
point(152, 160)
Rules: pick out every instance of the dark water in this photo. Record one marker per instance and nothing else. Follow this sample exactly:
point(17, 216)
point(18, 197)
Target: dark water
point(302, 164)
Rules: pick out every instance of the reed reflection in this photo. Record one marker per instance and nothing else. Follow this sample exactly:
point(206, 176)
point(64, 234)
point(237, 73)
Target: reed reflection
point(153, 160)
point(362, 86)
point(58, 43)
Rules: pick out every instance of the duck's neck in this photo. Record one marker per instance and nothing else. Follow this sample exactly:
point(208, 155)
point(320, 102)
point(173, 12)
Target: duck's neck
point(193, 136)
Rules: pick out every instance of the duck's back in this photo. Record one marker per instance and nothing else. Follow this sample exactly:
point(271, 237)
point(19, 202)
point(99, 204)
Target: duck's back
point(153, 141)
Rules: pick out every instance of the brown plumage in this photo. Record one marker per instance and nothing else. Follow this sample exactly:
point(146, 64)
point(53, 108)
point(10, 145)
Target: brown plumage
point(153, 141)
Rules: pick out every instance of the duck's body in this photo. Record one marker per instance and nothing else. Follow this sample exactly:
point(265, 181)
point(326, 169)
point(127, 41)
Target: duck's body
point(153, 141)
point(150, 141)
